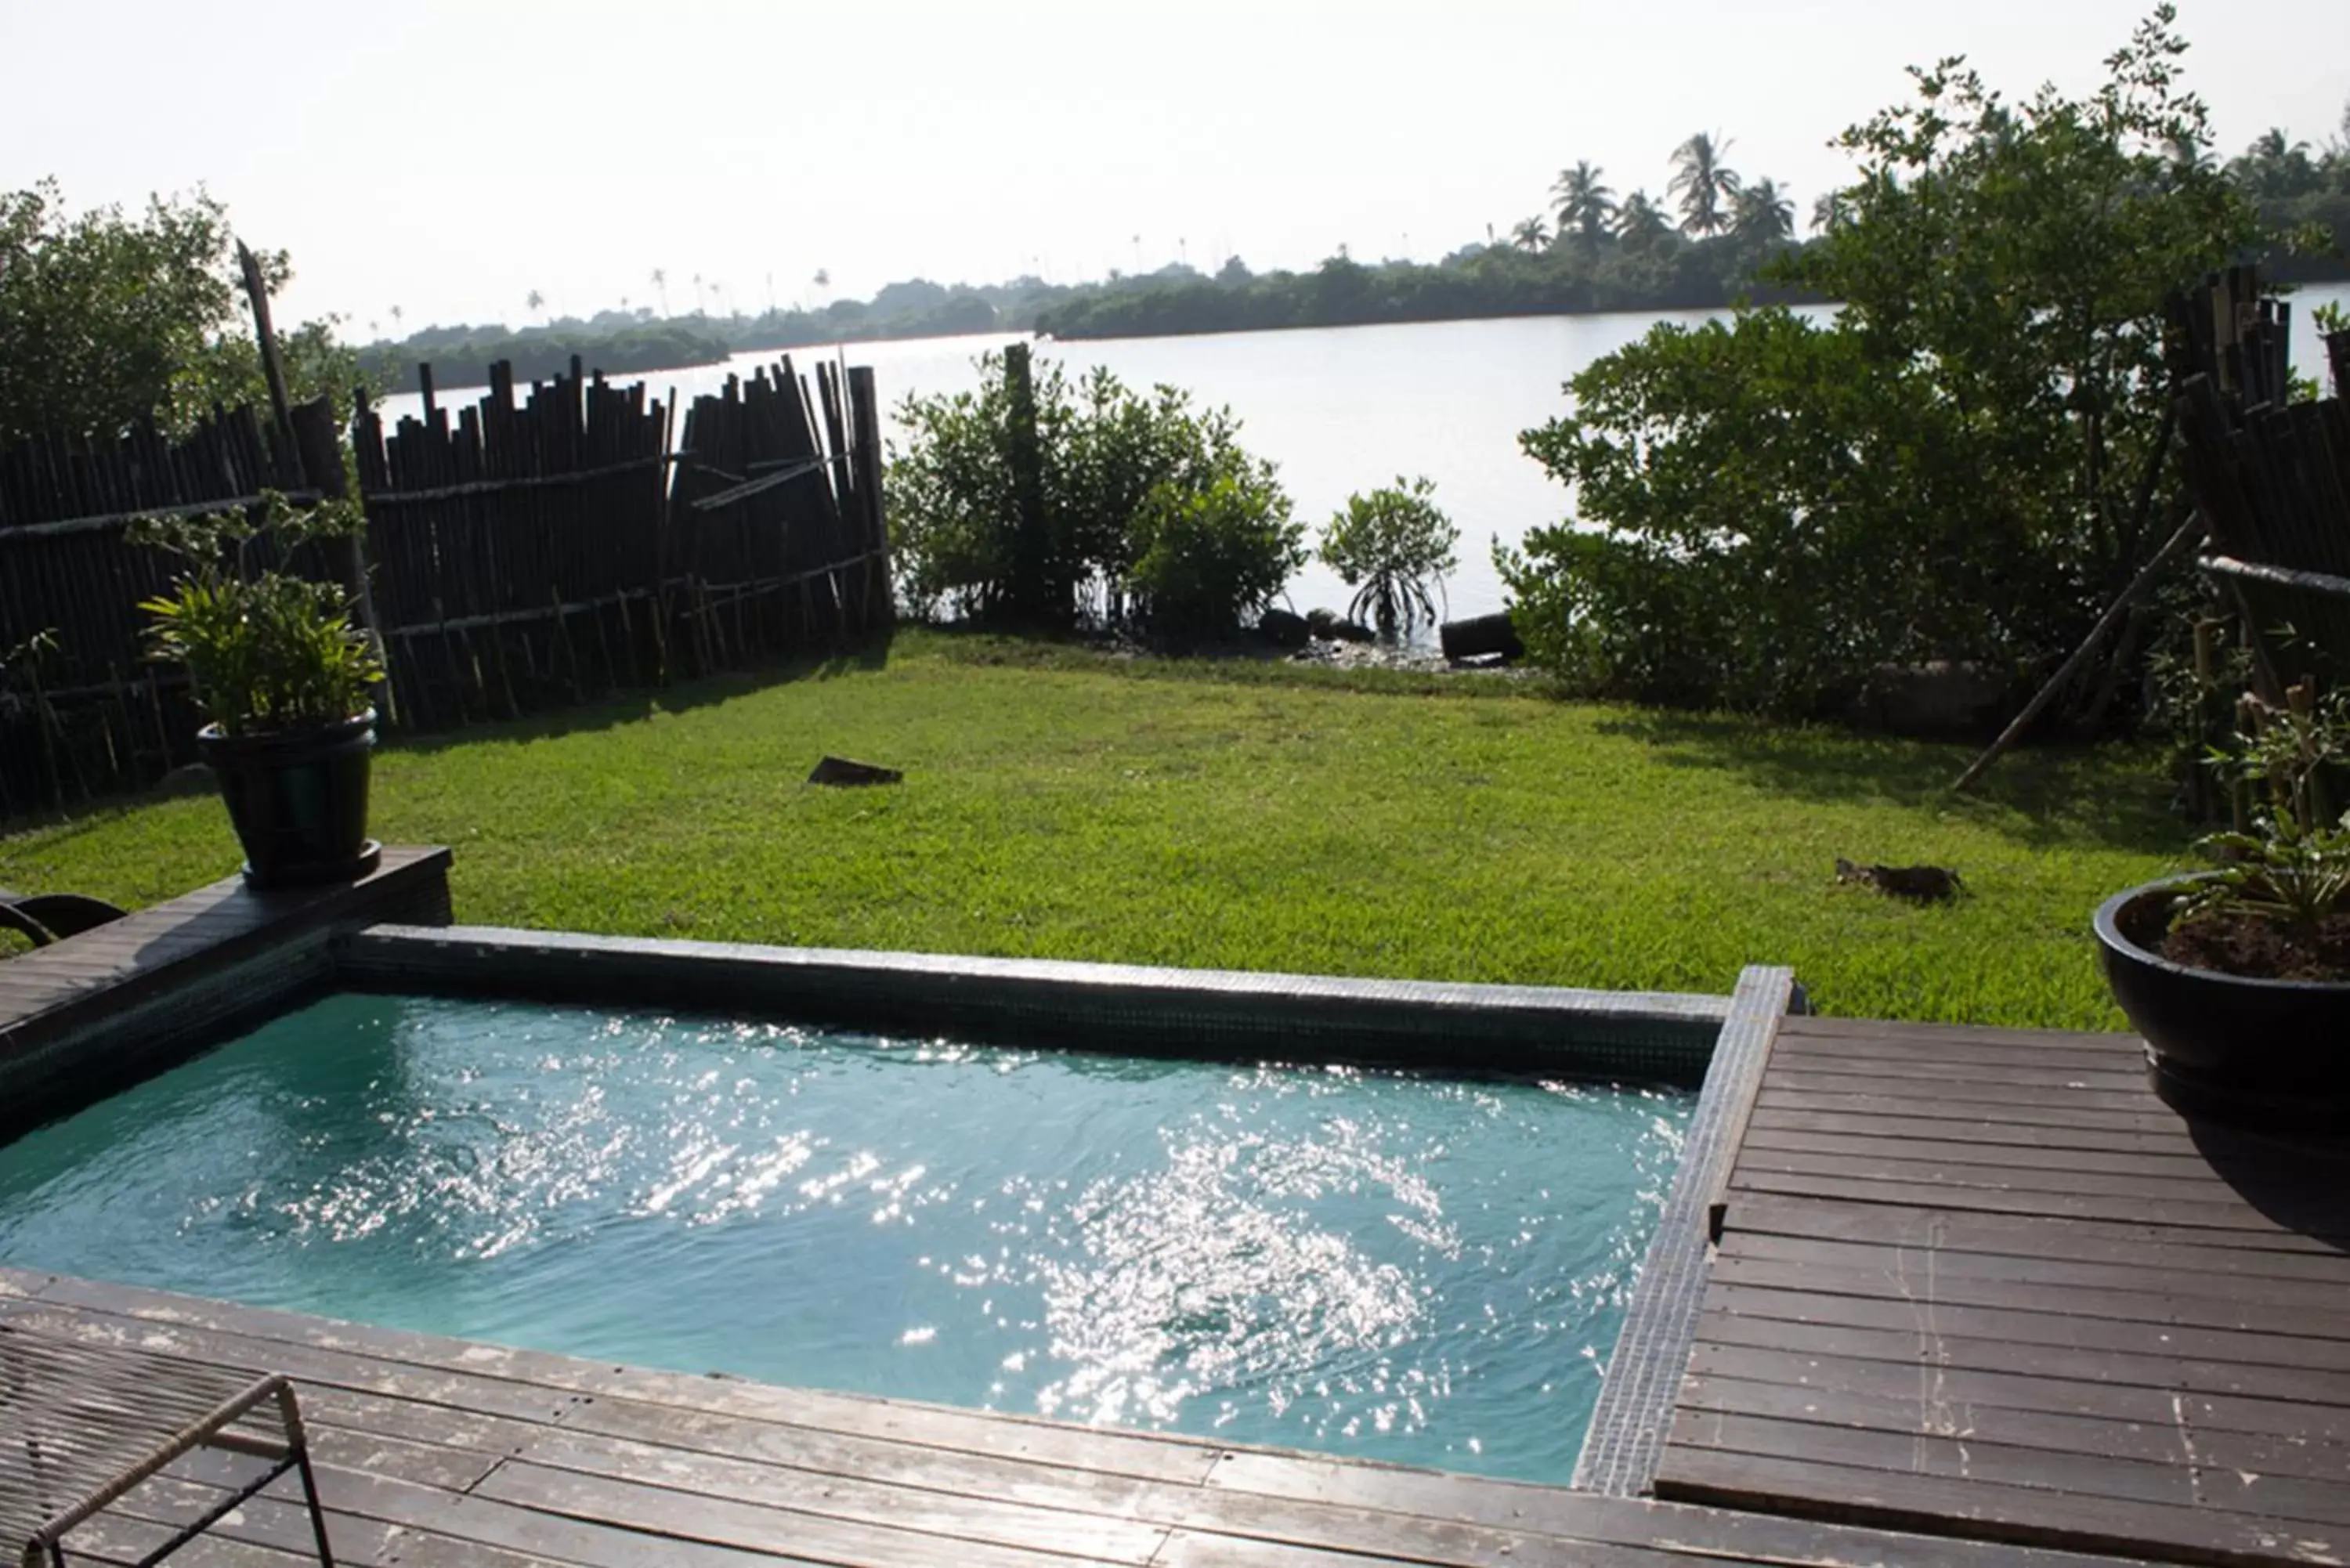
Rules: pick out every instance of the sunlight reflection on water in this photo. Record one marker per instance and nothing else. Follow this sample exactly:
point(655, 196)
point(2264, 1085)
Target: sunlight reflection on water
point(1422, 1270)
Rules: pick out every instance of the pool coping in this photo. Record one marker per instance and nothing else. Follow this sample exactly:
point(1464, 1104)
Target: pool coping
point(182, 974)
point(1656, 1037)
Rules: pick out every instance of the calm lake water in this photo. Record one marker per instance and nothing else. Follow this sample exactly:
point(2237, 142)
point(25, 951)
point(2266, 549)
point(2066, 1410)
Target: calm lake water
point(1347, 408)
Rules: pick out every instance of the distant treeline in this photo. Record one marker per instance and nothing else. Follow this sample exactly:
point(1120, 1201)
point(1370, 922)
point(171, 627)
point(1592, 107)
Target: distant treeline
point(635, 339)
point(1490, 281)
point(1696, 247)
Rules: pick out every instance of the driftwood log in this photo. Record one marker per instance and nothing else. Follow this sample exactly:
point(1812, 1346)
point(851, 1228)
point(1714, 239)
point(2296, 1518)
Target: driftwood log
point(1481, 636)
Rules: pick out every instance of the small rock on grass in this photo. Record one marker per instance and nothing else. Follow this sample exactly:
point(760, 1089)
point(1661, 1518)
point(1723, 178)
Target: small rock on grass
point(842, 772)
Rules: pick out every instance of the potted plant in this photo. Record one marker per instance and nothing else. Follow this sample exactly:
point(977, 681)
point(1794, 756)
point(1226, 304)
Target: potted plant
point(285, 678)
point(2239, 976)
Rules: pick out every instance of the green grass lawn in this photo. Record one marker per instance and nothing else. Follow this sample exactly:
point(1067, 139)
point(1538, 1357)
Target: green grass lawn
point(1068, 805)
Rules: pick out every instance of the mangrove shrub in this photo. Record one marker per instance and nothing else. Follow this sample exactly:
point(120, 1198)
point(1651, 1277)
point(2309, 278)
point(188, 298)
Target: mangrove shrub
point(1046, 502)
point(1771, 509)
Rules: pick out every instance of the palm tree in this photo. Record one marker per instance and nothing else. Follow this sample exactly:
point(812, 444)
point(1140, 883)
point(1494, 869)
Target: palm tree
point(535, 299)
point(2187, 152)
point(1763, 212)
point(1585, 205)
point(2276, 165)
point(697, 294)
point(1829, 211)
point(1641, 224)
point(397, 313)
point(1701, 182)
point(661, 282)
point(1530, 234)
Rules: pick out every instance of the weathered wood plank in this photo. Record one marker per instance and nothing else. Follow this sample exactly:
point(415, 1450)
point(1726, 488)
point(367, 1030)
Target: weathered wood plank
point(956, 1507)
point(2004, 1512)
point(2205, 1274)
point(2177, 1162)
point(1915, 1285)
point(1867, 1098)
point(1958, 1387)
point(1901, 1074)
point(1996, 1337)
point(1955, 1096)
point(2223, 1214)
point(2263, 1399)
point(2160, 1249)
point(1709, 1533)
point(652, 1510)
point(1037, 1482)
point(1898, 1419)
point(1925, 1037)
point(2169, 1484)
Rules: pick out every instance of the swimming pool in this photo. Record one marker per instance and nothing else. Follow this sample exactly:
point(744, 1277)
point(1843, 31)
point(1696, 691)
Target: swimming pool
point(1417, 1269)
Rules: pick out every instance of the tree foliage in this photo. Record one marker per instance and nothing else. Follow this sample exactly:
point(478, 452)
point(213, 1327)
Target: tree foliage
point(1207, 559)
point(106, 319)
point(1773, 509)
point(1394, 548)
point(1047, 500)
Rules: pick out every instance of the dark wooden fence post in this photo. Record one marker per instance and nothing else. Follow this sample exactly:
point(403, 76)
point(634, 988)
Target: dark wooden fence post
point(865, 402)
point(256, 291)
point(318, 446)
point(1036, 594)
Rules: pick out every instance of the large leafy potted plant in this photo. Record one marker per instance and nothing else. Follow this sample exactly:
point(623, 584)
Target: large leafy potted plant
point(2239, 976)
point(285, 678)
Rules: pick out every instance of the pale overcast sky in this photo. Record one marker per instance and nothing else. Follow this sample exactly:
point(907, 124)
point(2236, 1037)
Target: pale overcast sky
point(449, 156)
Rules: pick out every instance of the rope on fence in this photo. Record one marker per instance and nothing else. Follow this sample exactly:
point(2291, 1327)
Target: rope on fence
point(105, 520)
point(520, 481)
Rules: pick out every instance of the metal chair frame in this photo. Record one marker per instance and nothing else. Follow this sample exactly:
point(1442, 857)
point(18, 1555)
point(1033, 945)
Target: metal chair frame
point(82, 1424)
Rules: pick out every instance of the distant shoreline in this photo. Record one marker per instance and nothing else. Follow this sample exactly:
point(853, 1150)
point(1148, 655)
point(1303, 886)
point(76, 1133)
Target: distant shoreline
point(2319, 272)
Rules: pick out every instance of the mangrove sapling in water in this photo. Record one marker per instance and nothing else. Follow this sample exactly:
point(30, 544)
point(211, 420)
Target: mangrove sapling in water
point(1394, 548)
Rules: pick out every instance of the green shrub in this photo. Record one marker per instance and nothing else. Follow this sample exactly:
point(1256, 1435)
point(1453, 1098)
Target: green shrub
point(1207, 559)
point(1394, 548)
point(1024, 502)
point(1768, 510)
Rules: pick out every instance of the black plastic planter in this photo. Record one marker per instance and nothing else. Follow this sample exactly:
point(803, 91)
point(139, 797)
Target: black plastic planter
point(2259, 1053)
point(299, 800)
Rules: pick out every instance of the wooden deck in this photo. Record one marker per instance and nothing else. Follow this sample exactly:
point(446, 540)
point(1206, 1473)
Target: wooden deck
point(437, 1452)
point(162, 975)
point(1984, 1281)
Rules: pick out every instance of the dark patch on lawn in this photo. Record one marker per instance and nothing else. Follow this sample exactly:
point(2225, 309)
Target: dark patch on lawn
point(2051, 796)
point(634, 706)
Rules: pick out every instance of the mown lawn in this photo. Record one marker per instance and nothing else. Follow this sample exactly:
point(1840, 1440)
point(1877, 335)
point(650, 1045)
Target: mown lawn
point(1067, 805)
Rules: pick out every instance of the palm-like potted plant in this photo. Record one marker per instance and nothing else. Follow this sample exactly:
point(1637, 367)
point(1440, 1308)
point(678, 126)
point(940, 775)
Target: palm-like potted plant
point(285, 678)
point(2239, 976)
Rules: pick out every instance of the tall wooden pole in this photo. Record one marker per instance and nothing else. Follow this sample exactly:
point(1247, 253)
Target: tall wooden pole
point(2188, 532)
point(256, 291)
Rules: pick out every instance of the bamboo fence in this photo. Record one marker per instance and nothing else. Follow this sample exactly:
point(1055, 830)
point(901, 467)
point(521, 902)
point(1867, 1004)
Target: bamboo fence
point(537, 547)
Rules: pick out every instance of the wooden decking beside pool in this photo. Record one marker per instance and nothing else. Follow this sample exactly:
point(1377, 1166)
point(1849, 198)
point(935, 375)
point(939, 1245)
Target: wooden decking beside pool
point(1984, 1282)
point(436, 1452)
point(163, 977)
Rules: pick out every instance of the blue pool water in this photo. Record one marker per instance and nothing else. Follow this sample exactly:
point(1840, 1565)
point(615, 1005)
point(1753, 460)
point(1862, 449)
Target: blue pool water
point(1424, 1271)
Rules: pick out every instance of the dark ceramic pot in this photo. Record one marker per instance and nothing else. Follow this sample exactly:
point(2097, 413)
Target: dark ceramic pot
point(299, 800)
point(2264, 1053)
